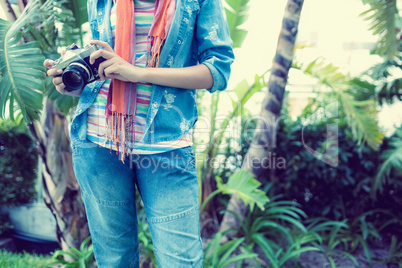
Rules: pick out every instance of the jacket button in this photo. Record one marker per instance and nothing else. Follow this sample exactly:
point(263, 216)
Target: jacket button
point(179, 42)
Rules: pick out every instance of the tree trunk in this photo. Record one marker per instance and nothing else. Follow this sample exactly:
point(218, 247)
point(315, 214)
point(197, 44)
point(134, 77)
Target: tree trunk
point(258, 155)
point(10, 14)
point(61, 190)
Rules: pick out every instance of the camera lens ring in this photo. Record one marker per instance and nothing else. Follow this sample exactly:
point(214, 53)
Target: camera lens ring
point(82, 66)
point(75, 76)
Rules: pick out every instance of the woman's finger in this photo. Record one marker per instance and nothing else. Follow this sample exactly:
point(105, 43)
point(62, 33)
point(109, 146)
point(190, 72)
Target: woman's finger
point(102, 67)
point(105, 45)
point(109, 71)
point(57, 81)
point(60, 88)
point(101, 53)
point(54, 72)
point(48, 63)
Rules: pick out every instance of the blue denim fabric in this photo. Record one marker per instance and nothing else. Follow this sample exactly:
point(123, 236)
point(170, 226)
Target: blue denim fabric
point(168, 186)
point(199, 35)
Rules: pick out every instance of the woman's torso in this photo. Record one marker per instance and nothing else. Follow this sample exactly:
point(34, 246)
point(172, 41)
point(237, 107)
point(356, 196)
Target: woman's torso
point(96, 122)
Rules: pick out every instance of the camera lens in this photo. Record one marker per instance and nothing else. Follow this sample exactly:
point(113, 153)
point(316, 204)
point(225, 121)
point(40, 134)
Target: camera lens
point(75, 77)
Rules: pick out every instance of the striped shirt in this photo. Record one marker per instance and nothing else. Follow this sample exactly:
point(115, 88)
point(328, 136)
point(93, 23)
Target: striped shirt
point(96, 122)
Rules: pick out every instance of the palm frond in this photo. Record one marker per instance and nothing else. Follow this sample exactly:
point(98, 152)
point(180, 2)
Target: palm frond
point(387, 92)
point(362, 119)
point(23, 83)
point(236, 14)
point(382, 70)
point(383, 92)
point(361, 114)
point(21, 66)
point(382, 15)
point(392, 161)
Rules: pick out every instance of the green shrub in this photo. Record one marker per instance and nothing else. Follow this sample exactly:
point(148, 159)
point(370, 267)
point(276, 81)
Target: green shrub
point(80, 258)
point(336, 193)
point(219, 255)
point(18, 163)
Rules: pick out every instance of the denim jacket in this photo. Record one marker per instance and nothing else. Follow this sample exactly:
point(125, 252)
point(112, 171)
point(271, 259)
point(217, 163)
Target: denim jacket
point(199, 35)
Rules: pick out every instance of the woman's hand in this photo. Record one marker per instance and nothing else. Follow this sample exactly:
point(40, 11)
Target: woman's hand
point(114, 66)
point(57, 81)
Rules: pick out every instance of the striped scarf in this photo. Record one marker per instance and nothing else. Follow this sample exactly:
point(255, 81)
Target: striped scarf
point(121, 103)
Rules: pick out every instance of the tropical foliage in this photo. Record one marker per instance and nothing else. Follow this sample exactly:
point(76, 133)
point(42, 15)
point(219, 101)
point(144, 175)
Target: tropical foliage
point(18, 164)
point(392, 161)
point(75, 258)
point(386, 23)
point(21, 65)
point(243, 184)
point(24, 44)
point(361, 114)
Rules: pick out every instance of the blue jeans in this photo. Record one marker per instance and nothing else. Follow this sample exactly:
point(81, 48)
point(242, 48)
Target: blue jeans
point(168, 185)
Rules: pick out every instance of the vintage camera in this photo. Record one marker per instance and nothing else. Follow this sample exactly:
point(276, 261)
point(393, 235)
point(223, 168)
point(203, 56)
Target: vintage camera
point(77, 71)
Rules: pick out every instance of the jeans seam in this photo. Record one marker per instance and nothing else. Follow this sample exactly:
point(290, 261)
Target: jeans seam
point(174, 216)
point(105, 202)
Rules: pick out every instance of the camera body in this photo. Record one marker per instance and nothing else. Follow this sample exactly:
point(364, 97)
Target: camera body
point(77, 71)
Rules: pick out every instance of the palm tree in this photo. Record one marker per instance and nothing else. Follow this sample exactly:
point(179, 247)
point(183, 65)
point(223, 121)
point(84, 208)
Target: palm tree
point(264, 140)
point(27, 93)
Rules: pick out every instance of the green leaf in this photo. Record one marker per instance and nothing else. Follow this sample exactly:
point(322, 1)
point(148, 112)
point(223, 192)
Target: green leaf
point(80, 12)
point(234, 245)
point(241, 88)
point(383, 15)
point(291, 253)
point(245, 186)
point(361, 114)
point(392, 161)
point(267, 248)
point(84, 244)
point(238, 258)
point(236, 14)
point(362, 119)
point(24, 87)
